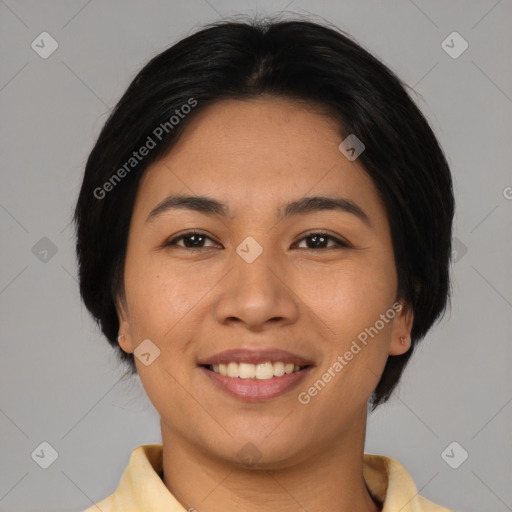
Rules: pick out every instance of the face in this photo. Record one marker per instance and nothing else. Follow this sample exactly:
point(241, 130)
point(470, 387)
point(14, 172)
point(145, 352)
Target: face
point(250, 279)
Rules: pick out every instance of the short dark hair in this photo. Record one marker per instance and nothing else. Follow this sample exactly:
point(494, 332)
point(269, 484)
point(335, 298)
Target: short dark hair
point(299, 60)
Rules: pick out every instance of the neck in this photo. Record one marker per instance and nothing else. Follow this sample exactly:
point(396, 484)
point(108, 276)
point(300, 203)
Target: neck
point(329, 479)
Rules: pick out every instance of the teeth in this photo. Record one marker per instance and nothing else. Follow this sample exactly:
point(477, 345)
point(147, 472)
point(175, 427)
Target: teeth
point(262, 371)
point(278, 369)
point(246, 371)
point(232, 370)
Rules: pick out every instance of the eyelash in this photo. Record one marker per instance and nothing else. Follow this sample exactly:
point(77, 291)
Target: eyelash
point(340, 244)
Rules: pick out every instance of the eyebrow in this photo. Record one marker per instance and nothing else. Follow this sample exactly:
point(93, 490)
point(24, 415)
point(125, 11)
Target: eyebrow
point(212, 207)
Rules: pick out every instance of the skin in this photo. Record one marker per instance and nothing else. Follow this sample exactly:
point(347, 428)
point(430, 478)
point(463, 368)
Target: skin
point(256, 155)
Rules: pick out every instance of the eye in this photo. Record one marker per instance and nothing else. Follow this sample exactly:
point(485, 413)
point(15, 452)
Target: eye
point(191, 240)
point(319, 241)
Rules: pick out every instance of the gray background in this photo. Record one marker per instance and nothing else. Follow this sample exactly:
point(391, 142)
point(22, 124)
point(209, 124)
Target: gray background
point(59, 379)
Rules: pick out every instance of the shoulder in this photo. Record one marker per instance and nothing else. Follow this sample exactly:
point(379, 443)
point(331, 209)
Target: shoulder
point(141, 487)
point(391, 484)
point(429, 506)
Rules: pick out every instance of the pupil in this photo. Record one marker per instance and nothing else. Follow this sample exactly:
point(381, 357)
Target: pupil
point(197, 239)
point(316, 238)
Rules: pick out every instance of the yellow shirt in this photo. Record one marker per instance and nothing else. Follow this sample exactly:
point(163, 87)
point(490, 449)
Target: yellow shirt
point(142, 490)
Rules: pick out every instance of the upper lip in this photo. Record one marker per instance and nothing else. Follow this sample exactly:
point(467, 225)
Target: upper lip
point(272, 355)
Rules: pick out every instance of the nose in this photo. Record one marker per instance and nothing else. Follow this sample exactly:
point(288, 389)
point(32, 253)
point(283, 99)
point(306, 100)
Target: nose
point(257, 295)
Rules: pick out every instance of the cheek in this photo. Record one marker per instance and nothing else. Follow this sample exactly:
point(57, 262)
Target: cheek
point(353, 297)
point(159, 296)
point(164, 382)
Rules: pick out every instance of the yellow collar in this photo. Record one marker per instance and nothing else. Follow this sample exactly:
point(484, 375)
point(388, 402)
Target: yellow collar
point(141, 487)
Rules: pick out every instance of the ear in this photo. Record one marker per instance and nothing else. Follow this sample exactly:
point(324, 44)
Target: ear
point(402, 326)
point(124, 338)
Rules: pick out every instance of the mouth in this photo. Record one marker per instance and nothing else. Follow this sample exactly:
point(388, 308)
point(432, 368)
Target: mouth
point(255, 375)
point(262, 371)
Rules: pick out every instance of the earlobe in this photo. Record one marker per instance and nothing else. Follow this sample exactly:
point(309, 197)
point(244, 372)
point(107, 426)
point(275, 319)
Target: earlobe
point(125, 342)
point(401, 334)
point(124, 338)
point(399, 346)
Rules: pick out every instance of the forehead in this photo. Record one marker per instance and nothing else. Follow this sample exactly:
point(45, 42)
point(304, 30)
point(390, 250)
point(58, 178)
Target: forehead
point(264, 131)
point(254, 152)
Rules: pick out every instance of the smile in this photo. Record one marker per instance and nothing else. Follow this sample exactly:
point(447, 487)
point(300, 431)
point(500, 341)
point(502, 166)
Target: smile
point(262, 371)
point(254, 389)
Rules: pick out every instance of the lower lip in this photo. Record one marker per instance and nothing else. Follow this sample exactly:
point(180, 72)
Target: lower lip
point(254, 390)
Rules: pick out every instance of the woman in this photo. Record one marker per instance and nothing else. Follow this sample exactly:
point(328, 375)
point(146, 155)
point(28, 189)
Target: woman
point(264, 233)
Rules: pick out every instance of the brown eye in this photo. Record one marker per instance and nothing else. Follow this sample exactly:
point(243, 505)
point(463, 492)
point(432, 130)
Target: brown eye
point(321, 241)
point(191, 240)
